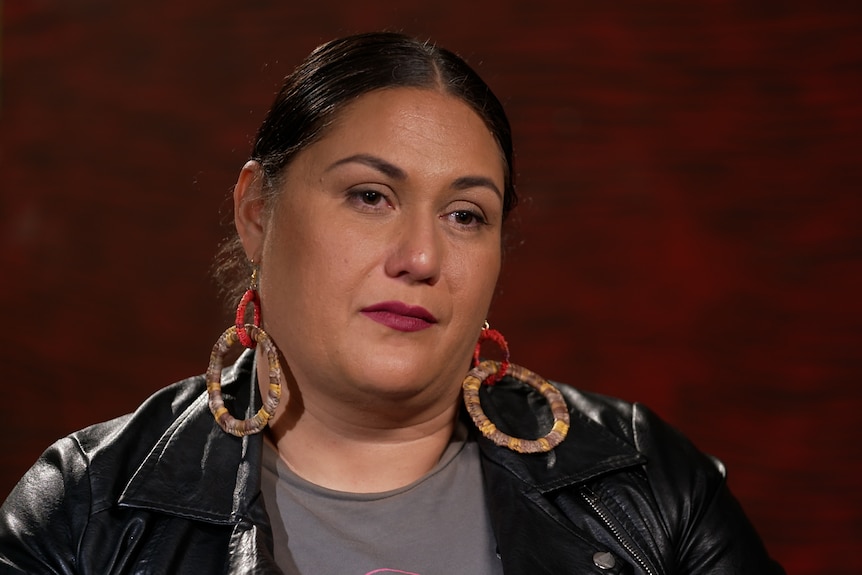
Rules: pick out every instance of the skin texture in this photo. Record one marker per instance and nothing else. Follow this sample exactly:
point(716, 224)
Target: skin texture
point(400, 201)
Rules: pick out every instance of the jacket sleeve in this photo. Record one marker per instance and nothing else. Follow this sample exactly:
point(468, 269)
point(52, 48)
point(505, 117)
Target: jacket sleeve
point(43, 518)
point(711, 532)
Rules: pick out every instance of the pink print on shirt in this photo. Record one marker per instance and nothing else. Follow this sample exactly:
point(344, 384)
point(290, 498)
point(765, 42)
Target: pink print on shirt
point(390, 571)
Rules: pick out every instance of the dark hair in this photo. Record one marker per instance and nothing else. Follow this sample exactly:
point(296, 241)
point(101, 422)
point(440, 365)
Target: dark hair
point(334, 75)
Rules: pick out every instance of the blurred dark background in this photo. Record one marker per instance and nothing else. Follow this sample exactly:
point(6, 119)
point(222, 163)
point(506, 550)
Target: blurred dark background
point(691, 230)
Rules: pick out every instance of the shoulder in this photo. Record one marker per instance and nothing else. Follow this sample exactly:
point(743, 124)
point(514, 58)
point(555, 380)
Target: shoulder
point(692, 505)
point(149, 420)
point(686, 486)
point(119, 444)
point(47, 512)
point(662, 445)
point(608, 437)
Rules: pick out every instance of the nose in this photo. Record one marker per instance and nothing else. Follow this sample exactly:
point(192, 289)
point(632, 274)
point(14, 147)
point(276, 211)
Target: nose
point(417, 251)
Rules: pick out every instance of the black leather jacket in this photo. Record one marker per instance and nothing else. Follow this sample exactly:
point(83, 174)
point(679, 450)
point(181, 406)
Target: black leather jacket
point(164, 490)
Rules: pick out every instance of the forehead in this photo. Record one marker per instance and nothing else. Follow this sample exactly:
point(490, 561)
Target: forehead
point(406, 122)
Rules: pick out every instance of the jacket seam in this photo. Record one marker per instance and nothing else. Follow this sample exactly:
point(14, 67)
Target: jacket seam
point(694, 523)
point(86, 460)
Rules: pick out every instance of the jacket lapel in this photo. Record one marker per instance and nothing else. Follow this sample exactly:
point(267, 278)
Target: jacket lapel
point(529, 530)
point(198, 471)
point(521, 488)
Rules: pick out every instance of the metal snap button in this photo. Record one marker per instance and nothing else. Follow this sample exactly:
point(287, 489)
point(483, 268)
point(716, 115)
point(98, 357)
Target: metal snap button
point(604, 560)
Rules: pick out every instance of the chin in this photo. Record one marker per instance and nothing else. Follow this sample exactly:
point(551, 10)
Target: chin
point(400, 382)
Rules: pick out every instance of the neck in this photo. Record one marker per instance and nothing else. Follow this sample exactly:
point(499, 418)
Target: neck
point(369, 450)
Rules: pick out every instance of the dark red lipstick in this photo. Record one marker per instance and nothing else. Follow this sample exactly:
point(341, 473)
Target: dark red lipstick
point(400, 316)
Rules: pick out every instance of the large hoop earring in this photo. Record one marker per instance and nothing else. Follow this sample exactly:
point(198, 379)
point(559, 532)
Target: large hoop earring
point(224, 419)
point(249, 335)
point(489, 372)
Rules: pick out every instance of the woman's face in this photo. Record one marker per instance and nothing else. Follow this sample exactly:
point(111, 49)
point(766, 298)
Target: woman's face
point(380, 257)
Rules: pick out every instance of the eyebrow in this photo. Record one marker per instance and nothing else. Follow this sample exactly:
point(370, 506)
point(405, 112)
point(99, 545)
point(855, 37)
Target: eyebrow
point(468, 182)
point(393, 171)
point(378, 164)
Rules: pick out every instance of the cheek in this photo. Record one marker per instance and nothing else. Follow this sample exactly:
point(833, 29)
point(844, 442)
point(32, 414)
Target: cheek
point(474, 277)
point(314, 261)
point(287, 255)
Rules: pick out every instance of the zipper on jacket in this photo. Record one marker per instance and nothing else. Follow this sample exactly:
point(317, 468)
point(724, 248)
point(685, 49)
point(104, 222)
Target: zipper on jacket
point(593, 501)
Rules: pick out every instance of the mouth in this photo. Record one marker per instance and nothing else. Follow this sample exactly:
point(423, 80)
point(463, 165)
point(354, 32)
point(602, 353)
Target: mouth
point(400, 316)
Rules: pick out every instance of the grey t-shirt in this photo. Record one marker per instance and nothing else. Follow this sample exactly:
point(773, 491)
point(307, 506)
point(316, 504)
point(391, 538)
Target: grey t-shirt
point(436, 526)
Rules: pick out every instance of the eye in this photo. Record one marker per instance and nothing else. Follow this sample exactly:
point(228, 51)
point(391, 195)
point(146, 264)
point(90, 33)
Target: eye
point(467, 218)
point(368, 200)
point(369, 197)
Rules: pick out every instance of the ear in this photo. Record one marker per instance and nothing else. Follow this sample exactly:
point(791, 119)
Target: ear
point(248, 209)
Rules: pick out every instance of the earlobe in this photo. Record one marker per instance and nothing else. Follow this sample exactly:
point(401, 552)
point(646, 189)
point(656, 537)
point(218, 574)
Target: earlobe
point(248, 209)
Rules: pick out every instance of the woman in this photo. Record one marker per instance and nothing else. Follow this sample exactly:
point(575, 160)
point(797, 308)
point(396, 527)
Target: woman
point(370, 221)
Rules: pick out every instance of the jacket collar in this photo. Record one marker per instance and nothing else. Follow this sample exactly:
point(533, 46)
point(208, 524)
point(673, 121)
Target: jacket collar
point(588, 451)
point(520, 488)
point(198, 471)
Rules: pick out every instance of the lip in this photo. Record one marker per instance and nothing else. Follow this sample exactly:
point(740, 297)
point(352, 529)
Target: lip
point(400, 316)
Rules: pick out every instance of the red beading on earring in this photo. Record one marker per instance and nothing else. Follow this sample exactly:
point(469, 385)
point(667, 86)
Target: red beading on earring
point(489, 334)
point(250, 296)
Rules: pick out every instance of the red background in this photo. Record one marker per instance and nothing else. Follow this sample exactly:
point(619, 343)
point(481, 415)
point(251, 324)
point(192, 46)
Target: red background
point(692, 223)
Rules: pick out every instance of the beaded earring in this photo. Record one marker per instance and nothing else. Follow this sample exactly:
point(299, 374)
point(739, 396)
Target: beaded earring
point(249, 297)
point(249, 335)
point(490, 372)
